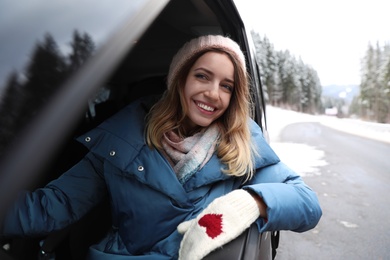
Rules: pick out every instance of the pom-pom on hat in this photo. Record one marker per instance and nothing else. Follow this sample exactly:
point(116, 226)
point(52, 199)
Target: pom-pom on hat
point(202, 43)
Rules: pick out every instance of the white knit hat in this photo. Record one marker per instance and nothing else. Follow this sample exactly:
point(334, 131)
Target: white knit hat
point(202, 43)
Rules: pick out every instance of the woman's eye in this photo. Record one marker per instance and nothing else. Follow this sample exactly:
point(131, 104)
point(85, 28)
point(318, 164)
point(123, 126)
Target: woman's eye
point(200, 76)
point(228, 87)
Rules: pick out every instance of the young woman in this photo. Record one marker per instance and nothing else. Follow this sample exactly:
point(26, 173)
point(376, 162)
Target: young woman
point(184, 176)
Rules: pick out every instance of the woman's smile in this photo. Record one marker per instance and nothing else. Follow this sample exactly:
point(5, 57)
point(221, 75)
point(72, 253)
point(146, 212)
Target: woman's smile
point(204, 107)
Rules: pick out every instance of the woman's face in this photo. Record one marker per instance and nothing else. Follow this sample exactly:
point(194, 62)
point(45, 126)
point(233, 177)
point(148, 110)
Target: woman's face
point(208, 89)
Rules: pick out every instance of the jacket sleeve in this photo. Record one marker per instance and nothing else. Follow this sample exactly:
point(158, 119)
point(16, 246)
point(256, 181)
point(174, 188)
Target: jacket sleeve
point(291, 204)
point(60, 203)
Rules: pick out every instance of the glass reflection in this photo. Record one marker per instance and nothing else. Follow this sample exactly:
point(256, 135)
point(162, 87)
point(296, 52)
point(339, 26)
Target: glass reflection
point(42, 43)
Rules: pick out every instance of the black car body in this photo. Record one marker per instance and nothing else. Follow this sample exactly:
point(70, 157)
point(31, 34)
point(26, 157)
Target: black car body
point(67, 66)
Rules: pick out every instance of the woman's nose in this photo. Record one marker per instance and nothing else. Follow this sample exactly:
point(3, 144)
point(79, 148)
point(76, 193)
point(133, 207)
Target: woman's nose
point(212, 92)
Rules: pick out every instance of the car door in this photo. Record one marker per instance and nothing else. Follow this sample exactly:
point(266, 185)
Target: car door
point(68, 66)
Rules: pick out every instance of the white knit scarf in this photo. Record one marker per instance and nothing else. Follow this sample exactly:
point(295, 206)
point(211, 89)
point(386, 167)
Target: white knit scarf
point(188, 155)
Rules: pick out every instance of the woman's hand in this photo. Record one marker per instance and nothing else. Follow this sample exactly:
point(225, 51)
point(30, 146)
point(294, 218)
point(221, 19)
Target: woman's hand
point(222, 221)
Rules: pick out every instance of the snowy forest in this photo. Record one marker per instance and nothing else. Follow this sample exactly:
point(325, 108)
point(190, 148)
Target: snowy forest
point(292, 84)
point(373, 103)
point(288, 81)
point(47, 68)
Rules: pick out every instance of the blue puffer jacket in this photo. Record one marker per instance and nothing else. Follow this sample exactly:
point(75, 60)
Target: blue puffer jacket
point(147, 200)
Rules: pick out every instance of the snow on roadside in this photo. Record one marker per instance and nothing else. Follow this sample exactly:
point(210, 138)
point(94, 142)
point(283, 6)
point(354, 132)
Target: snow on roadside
point(305, 159)
point(278, 118)
point(302, 158)
point(375, 131)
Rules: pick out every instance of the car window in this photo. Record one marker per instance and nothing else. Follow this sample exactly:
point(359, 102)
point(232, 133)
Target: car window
point(52, 62)
point(53, 54)
point(23, 24)
point(80, 45)
point(42, 44)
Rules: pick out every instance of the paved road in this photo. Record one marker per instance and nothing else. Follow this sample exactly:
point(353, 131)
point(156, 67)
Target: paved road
point(354, 192)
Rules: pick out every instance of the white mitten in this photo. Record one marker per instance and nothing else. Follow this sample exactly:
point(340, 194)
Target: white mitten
point(222, 221)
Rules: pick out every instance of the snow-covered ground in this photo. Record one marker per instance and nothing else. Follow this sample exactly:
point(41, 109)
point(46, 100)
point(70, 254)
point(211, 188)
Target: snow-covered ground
point(309, 159)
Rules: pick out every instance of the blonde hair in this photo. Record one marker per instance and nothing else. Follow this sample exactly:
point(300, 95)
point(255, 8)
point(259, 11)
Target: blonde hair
point(234, 147)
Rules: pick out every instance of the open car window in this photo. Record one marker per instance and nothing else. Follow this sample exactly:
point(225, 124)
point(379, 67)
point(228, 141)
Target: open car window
point(59, 62)
point(67, 66)
point(43, 44)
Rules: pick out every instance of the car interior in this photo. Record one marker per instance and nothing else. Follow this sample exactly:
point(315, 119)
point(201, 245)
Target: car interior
point(141, 72)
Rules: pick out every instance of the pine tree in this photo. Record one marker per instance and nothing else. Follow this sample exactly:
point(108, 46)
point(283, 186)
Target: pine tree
point(44, 72)
point(289, 83)
point(384, 79)
point(286, 73)
point(268, 63)
point(10, 108)
point(82, 48)
point(367, 82)
point(374, 88)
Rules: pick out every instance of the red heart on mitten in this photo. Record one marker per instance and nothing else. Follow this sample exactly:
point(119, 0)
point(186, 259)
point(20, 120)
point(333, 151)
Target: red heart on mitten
point(212, 223)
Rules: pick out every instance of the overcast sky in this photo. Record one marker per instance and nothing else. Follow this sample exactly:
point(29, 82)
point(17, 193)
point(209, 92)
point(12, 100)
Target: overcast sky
point(332, 36)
